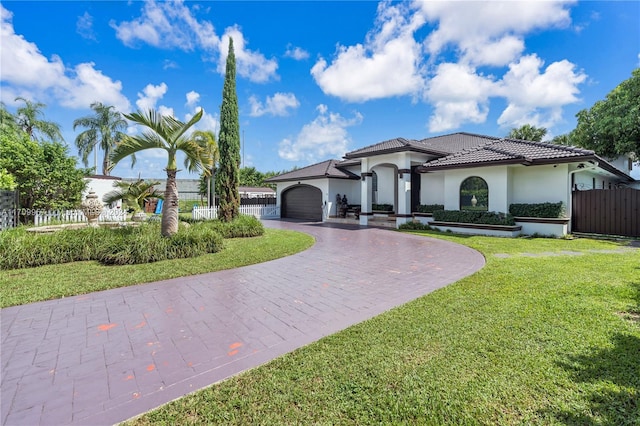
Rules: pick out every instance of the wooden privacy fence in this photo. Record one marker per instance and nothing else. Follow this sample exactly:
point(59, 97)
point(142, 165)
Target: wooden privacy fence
point(606, 211)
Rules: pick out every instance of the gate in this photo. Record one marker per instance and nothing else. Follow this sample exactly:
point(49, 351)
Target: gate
point(606, 211)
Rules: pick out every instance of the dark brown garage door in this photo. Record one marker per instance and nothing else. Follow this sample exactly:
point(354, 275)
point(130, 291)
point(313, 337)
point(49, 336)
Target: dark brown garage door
point(302, 202)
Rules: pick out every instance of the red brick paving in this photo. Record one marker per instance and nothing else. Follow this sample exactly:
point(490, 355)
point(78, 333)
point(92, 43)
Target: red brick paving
point(104, 357)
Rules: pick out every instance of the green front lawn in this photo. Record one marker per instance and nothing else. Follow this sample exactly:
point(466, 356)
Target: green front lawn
point(540, 335)
point(20, 286)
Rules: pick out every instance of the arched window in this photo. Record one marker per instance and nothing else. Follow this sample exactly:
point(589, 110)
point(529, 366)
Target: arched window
point(374, 187)
point(474, 194)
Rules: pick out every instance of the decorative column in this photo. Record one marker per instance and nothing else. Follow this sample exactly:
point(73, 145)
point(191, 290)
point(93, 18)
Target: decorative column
point(403, 214)
point(92, 207)
point(365, 198)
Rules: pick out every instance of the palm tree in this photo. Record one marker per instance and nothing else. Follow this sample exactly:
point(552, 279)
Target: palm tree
point(528, 132)
point(170, 134)
point(27, 119)
point(207, 139)
point(133, 194)
point(104, 129)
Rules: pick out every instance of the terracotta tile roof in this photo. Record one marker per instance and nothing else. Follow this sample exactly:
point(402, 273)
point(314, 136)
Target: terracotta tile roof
point(456, 150)
point(508, 151)
point(437, 145)
point(325, 169)
point(392, 145)
point(455, 142)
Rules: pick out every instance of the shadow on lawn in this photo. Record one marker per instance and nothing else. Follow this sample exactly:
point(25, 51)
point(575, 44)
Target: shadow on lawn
point(616, 373)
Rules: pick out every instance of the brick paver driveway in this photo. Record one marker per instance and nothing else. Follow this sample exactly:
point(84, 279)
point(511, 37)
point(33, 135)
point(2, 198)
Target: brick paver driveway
point(104, 357)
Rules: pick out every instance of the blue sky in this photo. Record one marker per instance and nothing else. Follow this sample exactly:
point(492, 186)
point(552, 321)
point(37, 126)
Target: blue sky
point(318, 79)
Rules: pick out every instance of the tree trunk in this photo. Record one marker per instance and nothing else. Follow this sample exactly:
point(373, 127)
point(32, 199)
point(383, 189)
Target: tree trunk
point(105, 166)
point(170, 206)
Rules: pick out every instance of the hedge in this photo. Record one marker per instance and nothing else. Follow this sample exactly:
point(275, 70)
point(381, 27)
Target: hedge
point(549, 210)
point(469, 216)
point(430, 208)
point(382, 207)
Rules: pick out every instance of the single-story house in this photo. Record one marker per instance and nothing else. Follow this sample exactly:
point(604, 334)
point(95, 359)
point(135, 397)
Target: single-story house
point(457, 171)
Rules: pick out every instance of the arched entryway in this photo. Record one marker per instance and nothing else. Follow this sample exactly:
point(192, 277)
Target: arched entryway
point(384, 188)
point(302, 202)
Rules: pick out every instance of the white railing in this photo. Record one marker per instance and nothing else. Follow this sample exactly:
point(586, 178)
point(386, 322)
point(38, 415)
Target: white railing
point(44, 217)
point(261, 212)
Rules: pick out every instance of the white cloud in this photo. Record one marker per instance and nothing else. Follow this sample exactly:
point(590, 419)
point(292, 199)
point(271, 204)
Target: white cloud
point(474, 36)
point(459, 95)
point(169, 64)
point(89, 85)
point(170, 25)
point(84, 26)
point(192, 98)
point(537, 97)
point(166, 25)
point(278, 105)
point(296, 53)
point(150, 96)
point(165, 110)
point(325, 137)
point(489, 33)
point(208, 122)
point(251, 65)
point(26, 70)
point(386, 65)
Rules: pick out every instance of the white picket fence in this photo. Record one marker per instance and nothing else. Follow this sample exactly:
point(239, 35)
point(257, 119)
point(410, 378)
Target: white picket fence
point(269, 211)
point(44, 217)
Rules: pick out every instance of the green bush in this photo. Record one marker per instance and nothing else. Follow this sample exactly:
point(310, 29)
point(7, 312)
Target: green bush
point(382, 207)
point(145, 245)
point(470, 216)
point(549, 210)
point(242, 227)
point(22, 249)
point(414, 226)
point(119, 246)
point(430, 208)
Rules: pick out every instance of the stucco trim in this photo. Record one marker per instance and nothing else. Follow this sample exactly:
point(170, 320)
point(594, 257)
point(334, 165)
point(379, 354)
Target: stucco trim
point(550, 220)
point(478, 226)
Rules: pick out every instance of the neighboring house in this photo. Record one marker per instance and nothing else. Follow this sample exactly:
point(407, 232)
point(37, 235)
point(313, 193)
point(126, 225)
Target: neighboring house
point(407, 173)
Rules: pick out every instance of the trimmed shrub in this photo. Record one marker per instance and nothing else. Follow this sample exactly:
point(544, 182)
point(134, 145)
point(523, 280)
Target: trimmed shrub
point(430, 208)
point(548, 210)
point(470, 216)
point(241, 227)
point(382, 207)
point(414, 226)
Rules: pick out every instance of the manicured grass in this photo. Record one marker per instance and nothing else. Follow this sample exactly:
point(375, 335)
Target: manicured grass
point(547, 339)
point(20, 286)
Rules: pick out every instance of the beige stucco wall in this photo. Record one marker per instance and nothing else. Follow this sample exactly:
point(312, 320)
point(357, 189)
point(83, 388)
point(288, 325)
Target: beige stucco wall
point(539, 184)
point(387, 182)
point(432, 188)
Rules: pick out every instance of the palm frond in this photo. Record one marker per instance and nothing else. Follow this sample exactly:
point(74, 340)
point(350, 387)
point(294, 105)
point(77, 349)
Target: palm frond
point(130, 145)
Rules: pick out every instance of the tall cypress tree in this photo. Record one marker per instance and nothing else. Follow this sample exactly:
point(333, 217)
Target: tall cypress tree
point(229, 144)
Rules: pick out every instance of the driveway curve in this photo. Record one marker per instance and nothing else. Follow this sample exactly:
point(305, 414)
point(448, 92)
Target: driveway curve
point(104, 357)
